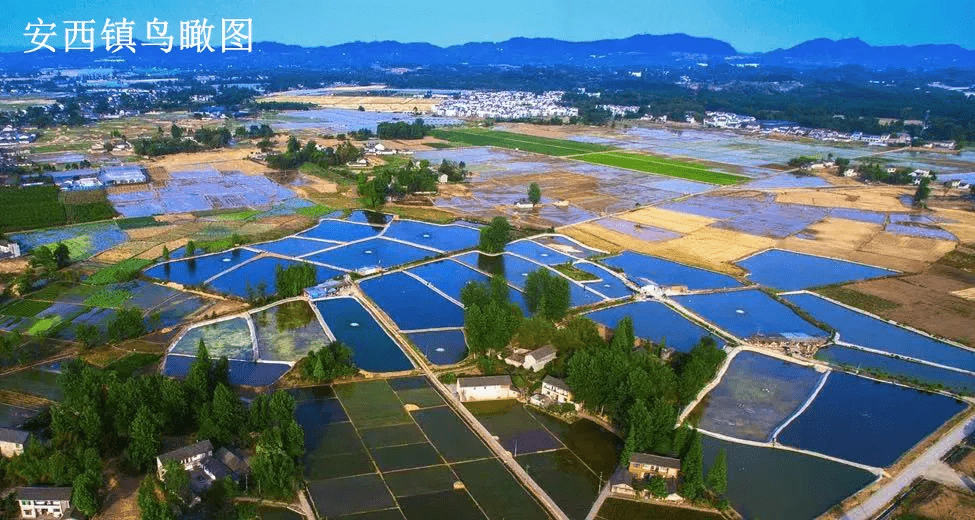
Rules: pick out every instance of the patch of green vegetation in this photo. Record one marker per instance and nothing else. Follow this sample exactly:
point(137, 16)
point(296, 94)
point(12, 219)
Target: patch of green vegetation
point(238, 215)
point(961, 258)
point(574, 272)
point(44, 325)
point(24, 308)
point(528, 143)
point(315, 211)
point(120, 272)
point(138, 222)
point(338, 175)
point(108, 299)
point(50, 292)
point(661, 166)
point(440, 146)
point(128, 365)
point(852, 297)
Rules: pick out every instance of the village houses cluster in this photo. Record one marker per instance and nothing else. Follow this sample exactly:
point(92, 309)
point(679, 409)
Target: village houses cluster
point(505, 105)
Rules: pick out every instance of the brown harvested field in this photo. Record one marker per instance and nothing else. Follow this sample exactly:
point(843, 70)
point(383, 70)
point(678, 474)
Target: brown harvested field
point(666, 219)
point(965, 464)
point(234, 159)
point(962, 223)
point(933, 501)
point(921, 251)
point(925, 301)
point(707, 247)
point(881, 198)
point(370, 103)
point(850, 240)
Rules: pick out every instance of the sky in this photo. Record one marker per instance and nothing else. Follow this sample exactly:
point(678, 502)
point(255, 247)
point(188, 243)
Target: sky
point(748, 25)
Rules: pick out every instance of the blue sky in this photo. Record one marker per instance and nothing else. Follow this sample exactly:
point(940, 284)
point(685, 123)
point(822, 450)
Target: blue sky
point(749, 25)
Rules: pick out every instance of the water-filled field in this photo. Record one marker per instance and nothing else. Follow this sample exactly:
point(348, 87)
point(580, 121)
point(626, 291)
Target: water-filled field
point(637, 231)
point(622, 509)
point(608, 283)
point(443, 347)
point(287, 331)
point(400, 295)
point(749, 313)
point(41, 381)
point(342, 120)
point(448, 276)
point(857, 359)
point(565, 479)
point(293, 246)
point(83, 240)
point(377, 461)
point(444, 238)
point(537, 252)
point(565, 245)
point(643, 269)
point(783, 485)
point(261, 274)
point(756, 394)
point(372, 348)
point(865, 331)
point(340, 231)
point(757, 216)
point(790, 271)
point(516, 428)
point(866, 421)
point(248, 373)
point(376, 252)
point(513, 268)
point(654, 321)
point(195, 271)
point(14, 416)
point(200, 190)
point(230, 338)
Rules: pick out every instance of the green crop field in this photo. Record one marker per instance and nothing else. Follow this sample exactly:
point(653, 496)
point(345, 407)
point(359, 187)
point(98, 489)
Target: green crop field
point(24, 308)
point(528, 143)
point(120, 272)
point(661, 166)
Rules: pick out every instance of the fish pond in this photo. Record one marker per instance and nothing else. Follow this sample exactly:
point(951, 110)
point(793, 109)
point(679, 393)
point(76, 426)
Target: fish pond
point(537, 252)
point(448, 276)
point(258, 277)
point(441, 347)
point(372, 348)
point(790, 271)
point(756, 394)
point(340, 231)
point(246, 373)
point(196, 270)
point(228, 338)
point(774, 484)
point(656, 322)
point(749, 313)
point(856, 359)
point(400, 295)
point(287, 331)
point(294, 246)
point(867, 421)
point(607, 283)
point(445, 238)
point(376, 252)
point(866, 331)
point(643, 269)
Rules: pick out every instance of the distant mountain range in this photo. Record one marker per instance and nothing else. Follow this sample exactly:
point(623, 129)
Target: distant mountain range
point(635, 51)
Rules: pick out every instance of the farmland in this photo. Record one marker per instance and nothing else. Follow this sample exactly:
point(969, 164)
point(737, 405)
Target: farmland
point(528, 143)
point(659, 165)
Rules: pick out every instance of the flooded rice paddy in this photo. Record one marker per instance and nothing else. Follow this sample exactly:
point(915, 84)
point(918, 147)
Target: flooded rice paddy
point(655, 322)
point(749, 313)
point(789, 271)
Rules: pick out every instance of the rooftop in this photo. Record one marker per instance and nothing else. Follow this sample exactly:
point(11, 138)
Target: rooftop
point(557, 383)
point(543, 352)
point(466, 382)
point(655, 460)
point(44, 493)
point(13, 435)
point(186, 452)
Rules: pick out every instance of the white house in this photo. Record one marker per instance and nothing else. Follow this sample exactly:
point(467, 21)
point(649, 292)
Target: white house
point(9, 249)
point(187, 456)
point(538, 358)
point(556, 390)
point(45, 502)
point(12, 441)
point(485, 388)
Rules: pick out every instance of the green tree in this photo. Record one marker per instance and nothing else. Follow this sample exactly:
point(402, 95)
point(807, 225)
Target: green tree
point(190, 248)
point(693, 468)
point(657, 486)
point(143, 439)
point(274, 470)
point(88, 335)
point(495, 235)
point(84, 493)
point(43, 259)
point(923, 191)
point(62, 255)
point(126, 324)
point(165, 253)
point(198, 384)
point(150, 507)
point(222, 418)
point(547, 294)
point(534, 194)
point(718, 474)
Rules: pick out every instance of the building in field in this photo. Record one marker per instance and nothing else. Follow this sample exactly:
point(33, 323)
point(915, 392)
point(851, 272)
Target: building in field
point(538, 358)
point(12, 441)
point(485, 388)
point(187, 456)
point(556, 389)
point(644, 465)
point(127, 174)
point(9, 249)
point(46, 502)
